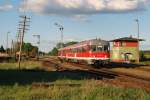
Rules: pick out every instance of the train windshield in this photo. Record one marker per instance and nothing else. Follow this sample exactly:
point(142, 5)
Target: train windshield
point(96, 48)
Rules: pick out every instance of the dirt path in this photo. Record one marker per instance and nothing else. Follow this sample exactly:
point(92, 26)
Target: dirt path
point(135, 72)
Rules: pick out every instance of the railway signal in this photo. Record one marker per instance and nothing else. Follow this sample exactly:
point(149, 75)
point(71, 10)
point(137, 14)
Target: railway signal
point(38, 42)
point(61, 28)
point(138, 28)
point(138, 36)
point(7, 42)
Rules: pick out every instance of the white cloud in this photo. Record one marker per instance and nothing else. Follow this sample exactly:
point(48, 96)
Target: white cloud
point(84, 7)
point(6, 7)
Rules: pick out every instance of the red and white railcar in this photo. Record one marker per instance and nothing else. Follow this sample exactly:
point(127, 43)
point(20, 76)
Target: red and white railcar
point(95, 51)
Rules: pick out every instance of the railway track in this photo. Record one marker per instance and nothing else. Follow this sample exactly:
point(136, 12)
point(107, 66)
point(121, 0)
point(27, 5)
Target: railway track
point(105, 72)
point(115, 73)
point(102, 75)
point(67, 66)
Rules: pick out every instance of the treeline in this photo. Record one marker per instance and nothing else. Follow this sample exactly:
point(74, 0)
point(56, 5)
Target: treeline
point(145, 55)
point(2, 50)
point(54, 51)
point(28, 50)
point(146, 52)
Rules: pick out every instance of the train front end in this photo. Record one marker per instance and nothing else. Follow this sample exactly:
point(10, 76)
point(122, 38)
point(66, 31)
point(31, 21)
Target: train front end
point(100, 52)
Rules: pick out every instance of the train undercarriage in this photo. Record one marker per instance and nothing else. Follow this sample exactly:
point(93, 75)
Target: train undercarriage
point(94, 62)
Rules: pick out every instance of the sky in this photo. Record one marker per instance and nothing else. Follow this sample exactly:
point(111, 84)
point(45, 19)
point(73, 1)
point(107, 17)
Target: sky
point(81, 19)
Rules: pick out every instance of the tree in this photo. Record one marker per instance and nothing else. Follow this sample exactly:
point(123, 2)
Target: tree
point(34, 51)
point(70, 43)
point(58, 46)
point(54, 52)
point(2, 49)
point(142, 56)
point(27, 47)
point(30, 50)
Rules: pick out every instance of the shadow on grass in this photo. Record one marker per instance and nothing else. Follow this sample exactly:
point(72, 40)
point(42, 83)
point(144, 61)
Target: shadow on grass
point(25, 77)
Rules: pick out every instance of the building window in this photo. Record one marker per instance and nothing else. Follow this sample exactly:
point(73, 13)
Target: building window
point(124, 44)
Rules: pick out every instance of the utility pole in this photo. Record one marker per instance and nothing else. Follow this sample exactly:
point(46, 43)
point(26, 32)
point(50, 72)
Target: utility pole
point(61, 28)
point(7, 43)
point(38, 42)
point(23, 24)
point(12, 48)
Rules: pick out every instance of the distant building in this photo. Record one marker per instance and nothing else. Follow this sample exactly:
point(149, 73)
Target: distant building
point(125, 50)
point(4, 55)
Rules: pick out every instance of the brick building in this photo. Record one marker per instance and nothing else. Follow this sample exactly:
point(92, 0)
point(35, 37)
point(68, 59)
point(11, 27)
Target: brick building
point(125, 49)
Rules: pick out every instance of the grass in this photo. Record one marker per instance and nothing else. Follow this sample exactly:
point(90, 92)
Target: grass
point(145, 63)
point(88, 90)
point(147, 55)
point(73, 85)
point(146, 59)
point(24, 65)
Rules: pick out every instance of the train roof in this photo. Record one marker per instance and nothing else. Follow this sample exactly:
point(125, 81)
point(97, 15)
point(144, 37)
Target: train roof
point(87, 42)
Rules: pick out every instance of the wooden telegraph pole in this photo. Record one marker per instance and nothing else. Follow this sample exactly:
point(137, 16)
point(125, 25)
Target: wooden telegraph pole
point(23, 28)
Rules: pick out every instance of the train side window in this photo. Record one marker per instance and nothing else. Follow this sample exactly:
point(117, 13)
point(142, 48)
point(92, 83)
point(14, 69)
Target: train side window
point(75, 50)
point(80, 49)
point(84, 49)
point(106, 48)
point(93, 48)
